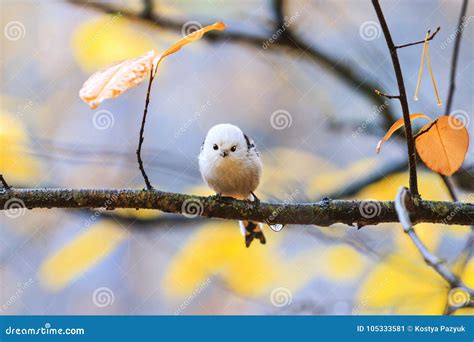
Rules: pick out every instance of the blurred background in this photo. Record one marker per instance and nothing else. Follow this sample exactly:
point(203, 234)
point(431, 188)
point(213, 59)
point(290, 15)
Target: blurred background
point(298, 77)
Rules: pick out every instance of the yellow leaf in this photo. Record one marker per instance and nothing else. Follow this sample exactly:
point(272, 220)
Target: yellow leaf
point(113, 80)
point(399, 123)
point(79, 255)
point(443, 145)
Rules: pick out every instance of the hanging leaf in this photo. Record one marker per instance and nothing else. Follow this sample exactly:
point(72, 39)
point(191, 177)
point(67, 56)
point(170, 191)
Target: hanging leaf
point(443, 145)
point(399, 123)
point(113, 80)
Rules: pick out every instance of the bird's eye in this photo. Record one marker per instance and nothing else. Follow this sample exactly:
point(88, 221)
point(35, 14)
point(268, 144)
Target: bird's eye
point(215, 147)
point(233, 148)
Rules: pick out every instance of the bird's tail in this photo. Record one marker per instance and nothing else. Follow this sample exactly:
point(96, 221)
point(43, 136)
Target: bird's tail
point(252, 230)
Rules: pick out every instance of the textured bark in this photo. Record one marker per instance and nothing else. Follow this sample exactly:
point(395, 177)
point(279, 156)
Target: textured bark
point(322, 213)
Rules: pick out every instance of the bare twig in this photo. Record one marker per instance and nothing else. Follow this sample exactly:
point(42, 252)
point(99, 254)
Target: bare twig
point(454, 59)
point(430, 259)
point(4, 183)
point(142, 130)
point(420, 41)
point(379, 93)
point(323, 213)
point(403, 99)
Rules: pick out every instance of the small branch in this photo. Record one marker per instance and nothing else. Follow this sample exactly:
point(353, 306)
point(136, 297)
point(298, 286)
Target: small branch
point(430, 259)
point(379, 93)
point(142, 130)
point(322, 213)
point(147, 9)
point(4, 183)
point(402, 98)
point(454, 60)
point(420, 41)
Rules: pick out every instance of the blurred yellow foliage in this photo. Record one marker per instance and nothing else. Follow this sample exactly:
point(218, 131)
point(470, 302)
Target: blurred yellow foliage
point(218, 249)
point(341, 263)
point(17, 166)
point(141, 214)
point(82, 253)
point(106, 40)
point(401, 285)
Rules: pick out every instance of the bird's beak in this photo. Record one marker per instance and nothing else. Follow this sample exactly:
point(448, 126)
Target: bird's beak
point(224, 154)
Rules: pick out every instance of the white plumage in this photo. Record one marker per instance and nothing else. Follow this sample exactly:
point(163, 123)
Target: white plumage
point(230, 165)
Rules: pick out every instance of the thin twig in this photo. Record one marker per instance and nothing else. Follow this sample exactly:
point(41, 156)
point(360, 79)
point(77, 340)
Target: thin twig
point(322, 213)
point(420, 41)
point(403, 99)
point(430, 259)
point(454, 59)
point(142, 130)
point(379, 93)
point(4, 183)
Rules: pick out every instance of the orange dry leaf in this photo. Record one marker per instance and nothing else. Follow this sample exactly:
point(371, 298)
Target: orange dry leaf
point(399, 123)
point(113, 80)
point(443, 144)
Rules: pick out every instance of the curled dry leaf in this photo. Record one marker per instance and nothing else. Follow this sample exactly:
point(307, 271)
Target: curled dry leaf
point(113, 80)
point(443, 144)
point(399, 123)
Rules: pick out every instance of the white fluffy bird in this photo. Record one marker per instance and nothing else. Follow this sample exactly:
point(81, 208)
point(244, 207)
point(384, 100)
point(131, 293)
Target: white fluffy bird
point(230, 165)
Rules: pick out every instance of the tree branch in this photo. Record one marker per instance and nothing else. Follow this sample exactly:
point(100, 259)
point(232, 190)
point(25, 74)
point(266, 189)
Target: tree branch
point(420, 41)
point(323, 213)
point(431, 260)
point(402, 98)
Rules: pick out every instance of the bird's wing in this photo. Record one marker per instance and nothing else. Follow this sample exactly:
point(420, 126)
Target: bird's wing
point(250, 144)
